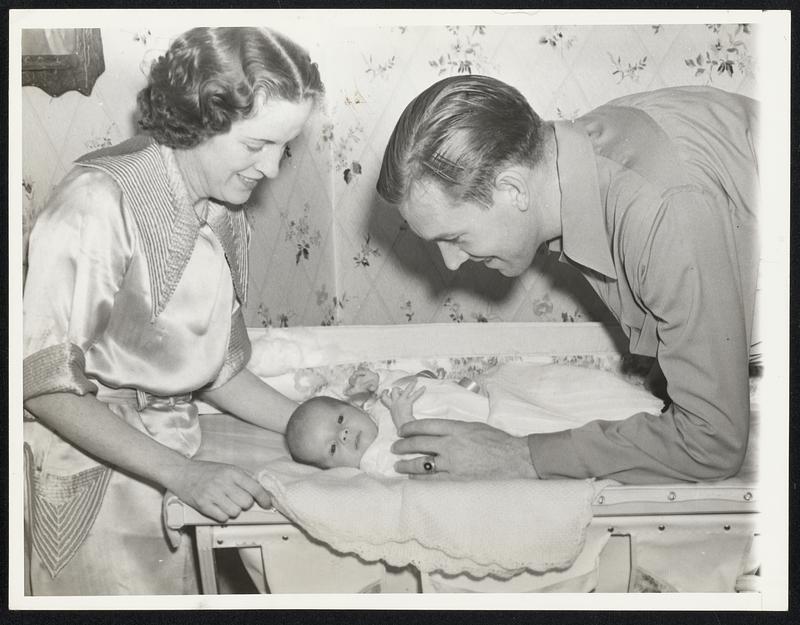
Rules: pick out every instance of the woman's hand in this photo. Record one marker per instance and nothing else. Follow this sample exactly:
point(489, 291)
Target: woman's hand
point(400, 402)
point(220, 491)
point(462, 449)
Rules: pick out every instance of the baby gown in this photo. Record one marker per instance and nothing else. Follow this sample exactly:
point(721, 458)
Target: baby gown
point(442, 399)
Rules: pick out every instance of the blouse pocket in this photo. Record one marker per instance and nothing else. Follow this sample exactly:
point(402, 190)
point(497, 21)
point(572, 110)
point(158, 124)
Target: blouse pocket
point(62, 510)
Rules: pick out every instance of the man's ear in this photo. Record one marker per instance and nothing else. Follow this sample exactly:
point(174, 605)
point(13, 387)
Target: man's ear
point(511, 186)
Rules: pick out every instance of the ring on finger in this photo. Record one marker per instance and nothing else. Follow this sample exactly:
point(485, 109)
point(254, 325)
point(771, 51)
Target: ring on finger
point(429, 465)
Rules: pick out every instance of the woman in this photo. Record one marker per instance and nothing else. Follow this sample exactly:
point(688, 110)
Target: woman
point(138, 271)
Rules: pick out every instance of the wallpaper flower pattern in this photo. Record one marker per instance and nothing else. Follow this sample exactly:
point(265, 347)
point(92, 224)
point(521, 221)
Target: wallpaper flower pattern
point(325, 249)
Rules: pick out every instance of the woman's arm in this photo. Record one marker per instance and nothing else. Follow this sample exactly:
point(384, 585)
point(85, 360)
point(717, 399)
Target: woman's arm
point(252, 400)
point(217, 490)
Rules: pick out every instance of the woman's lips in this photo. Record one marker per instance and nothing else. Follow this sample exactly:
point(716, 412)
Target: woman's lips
point(250, 183)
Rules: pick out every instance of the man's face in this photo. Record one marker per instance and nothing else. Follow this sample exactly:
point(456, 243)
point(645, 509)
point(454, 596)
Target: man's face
point(502, 236)
point(337, 436)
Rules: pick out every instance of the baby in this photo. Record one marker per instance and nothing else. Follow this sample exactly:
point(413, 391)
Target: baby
point(326, 432)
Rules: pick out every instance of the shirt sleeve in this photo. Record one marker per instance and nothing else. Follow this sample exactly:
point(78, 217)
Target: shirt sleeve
point(687, 280)
point(78, 254)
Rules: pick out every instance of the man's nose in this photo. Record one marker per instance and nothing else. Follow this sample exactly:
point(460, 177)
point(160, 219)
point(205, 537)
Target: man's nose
point(452, 255)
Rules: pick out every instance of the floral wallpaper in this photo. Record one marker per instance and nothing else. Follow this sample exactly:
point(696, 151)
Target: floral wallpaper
point(564, 71)
point(325, 249)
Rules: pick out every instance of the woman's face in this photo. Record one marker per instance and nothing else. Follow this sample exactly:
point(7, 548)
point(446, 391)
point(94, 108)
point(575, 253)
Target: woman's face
point(227, 167)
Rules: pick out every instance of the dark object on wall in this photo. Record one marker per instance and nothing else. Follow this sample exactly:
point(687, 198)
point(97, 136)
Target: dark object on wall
point(61, 60)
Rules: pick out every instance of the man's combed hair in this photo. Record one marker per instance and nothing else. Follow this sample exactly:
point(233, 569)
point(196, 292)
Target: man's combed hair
point(210, 78)
point(459, 133)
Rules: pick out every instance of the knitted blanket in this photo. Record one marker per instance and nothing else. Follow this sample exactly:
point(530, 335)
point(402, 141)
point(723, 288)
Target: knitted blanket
point(484, 527)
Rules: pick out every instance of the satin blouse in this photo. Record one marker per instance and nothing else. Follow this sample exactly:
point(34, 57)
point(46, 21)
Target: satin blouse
point(88, 303)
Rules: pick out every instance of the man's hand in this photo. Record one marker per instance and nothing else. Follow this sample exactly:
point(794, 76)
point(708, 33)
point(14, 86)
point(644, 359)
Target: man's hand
point(220, 491)
point(400, 402)
point(462, 449)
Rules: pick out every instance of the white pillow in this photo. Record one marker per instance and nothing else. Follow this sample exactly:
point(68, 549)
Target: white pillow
point(528, 398)
point(281, 351)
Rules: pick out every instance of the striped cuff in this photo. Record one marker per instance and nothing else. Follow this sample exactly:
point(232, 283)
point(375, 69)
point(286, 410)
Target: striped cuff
point(239, 351)
point(56, 369)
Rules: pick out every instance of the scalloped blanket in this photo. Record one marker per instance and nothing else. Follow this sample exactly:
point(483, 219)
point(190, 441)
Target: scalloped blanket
point(484, 527)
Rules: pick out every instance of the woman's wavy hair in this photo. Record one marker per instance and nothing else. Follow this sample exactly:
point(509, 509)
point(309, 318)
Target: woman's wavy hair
point(211, 77)
point(459, 133)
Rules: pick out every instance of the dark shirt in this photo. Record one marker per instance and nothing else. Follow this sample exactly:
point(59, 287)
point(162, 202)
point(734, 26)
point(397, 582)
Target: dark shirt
point(659, 193)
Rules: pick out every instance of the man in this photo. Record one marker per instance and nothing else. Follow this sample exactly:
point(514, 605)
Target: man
point(653, 198)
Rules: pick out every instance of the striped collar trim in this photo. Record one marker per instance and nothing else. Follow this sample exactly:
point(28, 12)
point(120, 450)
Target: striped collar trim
point(168, 225)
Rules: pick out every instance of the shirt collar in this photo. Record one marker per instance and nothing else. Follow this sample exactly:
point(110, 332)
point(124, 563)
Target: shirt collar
point(229, 226)
point(153, 185)
point(583, 226)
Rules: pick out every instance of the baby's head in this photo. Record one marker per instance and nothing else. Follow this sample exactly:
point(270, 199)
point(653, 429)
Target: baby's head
point(327, 433)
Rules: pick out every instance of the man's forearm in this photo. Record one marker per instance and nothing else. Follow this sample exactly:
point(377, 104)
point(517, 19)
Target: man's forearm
point(639, 450)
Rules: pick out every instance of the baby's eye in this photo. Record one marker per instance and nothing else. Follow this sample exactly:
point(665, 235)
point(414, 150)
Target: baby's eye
point(332, 449)
point(340, 419)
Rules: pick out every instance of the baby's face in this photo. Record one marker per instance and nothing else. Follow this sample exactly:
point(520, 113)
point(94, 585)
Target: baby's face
point(338, 435)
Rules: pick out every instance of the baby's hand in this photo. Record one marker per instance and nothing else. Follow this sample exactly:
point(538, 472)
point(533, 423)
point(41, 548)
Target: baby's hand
point(363, 380)
point(400, 402)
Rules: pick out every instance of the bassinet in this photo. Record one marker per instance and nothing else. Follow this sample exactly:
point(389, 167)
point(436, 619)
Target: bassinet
point(679, 537)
